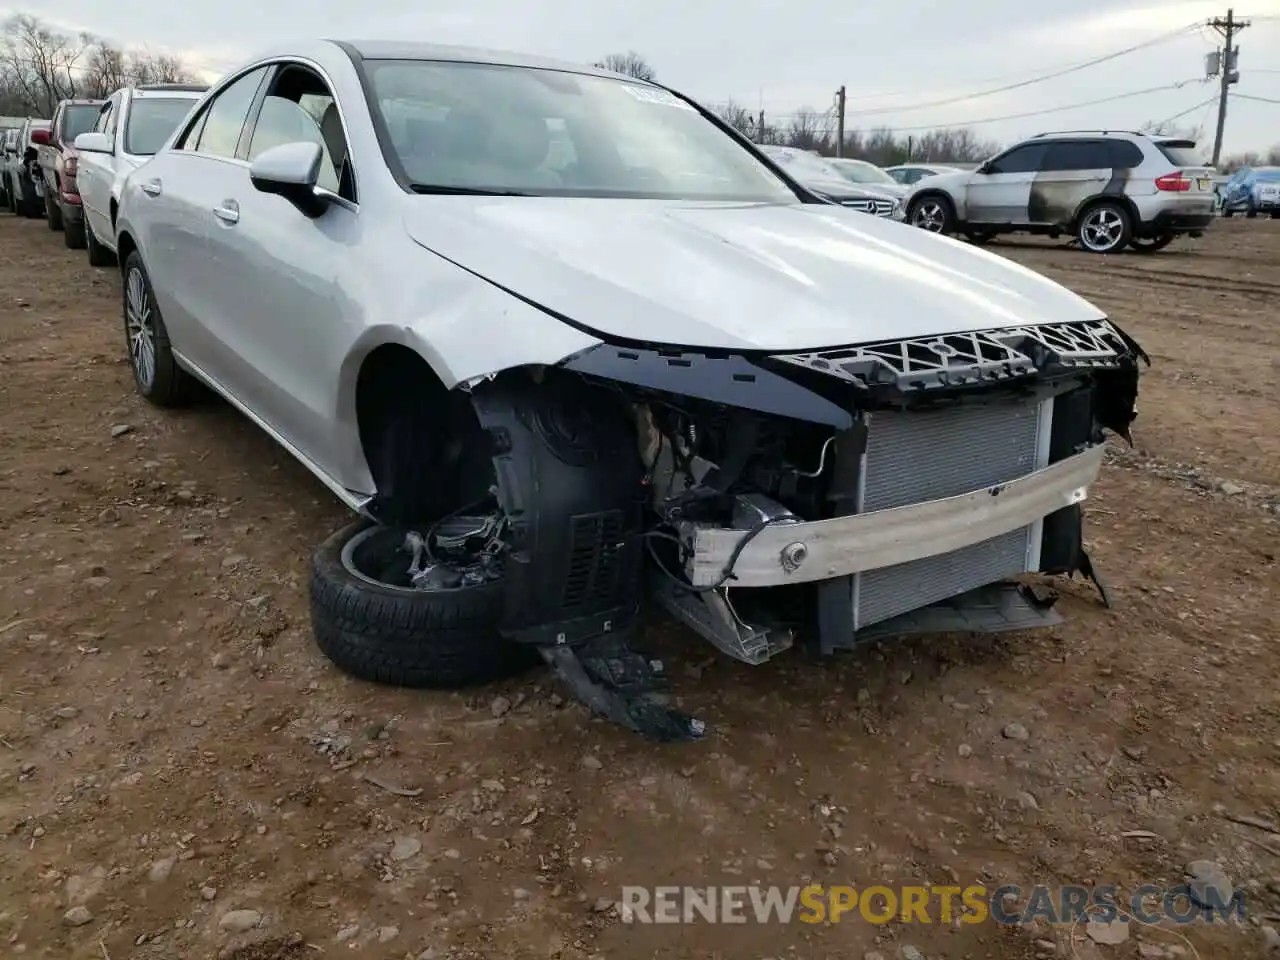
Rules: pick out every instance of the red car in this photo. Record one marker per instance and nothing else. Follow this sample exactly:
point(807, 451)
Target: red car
point(58, 161)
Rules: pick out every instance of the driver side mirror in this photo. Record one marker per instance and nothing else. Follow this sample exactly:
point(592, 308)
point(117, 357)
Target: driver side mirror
point(291, 171)
point(39, 138)
point(984, 168)
point(94, 142)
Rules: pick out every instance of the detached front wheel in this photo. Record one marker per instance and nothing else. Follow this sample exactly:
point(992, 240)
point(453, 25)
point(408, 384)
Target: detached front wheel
point(1104, 228)
point(373, 623)
point(932, 213)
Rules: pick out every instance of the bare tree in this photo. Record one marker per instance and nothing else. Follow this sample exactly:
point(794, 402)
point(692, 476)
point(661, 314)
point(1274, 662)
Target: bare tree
point(630, 63)
point(959, 144)
point(1166, 128)
point(807, 130)
point(106, 70)
point(39, 63)
point(109, 67)
point(740, 118)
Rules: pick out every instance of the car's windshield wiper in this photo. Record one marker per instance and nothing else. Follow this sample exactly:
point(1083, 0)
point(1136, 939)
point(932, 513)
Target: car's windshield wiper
point(464, 191)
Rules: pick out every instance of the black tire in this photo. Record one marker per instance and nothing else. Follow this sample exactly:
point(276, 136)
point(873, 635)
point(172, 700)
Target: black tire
point(401, 636)
point(933, 212)
point(1251, 213)
point(1104, 227)
point(1275, 214)
point(12, 198)
point(99, 256)
point(1151, 244)
point(73, 235)
point(980, 238)
point(32, 206)
point(168, 384)
point(52, 211)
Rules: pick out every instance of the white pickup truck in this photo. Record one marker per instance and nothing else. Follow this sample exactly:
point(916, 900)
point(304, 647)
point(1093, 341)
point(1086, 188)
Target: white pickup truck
point(132, 125)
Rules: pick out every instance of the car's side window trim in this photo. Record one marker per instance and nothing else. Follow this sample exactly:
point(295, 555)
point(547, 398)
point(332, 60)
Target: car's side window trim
point(266, 72)
point(255, 114)
point(255, 108)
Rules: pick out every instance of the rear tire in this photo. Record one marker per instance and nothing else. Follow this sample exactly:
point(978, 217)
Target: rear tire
point(155, 369)
point(432, 639)
point(1251, 213)
point(1104, 228)
point(980, 238)
point(32, 206)
point(73, 235)
point(52, 213)
point(99, 256)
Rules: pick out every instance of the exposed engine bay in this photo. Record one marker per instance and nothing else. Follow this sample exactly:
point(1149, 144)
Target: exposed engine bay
point(837, 496)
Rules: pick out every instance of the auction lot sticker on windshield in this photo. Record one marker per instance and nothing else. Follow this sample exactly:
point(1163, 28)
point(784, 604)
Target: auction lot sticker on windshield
point(655, 95)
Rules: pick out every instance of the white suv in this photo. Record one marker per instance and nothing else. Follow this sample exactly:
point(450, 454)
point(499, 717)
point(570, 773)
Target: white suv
point(1109, 190)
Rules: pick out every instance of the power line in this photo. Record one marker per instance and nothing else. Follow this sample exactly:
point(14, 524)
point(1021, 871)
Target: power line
point(1246, 96)
point(1039, 113)
point(1057, 71)
point(1163, 38)
point(1183, 113)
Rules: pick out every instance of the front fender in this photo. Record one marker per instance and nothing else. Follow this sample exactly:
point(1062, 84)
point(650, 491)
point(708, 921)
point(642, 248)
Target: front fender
point(466, 329)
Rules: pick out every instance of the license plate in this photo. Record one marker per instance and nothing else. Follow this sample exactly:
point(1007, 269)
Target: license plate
point(1205, 183)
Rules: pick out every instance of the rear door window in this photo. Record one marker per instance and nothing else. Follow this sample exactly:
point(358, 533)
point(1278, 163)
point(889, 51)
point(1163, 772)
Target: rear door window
point(1065, 155)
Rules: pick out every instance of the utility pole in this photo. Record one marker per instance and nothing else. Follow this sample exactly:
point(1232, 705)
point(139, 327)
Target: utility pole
point(1228, 27)
point(760, 127)
point(840, 121)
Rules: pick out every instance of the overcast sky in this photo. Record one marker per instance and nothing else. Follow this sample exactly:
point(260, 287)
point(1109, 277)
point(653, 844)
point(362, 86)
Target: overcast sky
point(761, 53)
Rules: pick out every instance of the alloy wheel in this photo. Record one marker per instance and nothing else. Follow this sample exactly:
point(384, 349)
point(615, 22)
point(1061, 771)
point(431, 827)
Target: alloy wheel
point(1102, 229)
point(929, 215)
point(140, 329)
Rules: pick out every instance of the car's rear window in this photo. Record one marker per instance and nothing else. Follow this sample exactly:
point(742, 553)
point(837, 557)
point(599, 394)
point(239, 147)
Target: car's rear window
point(1182, 153)
point(79, 119)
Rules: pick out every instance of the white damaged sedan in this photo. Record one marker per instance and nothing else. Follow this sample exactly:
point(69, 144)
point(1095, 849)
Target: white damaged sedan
point(564, 339)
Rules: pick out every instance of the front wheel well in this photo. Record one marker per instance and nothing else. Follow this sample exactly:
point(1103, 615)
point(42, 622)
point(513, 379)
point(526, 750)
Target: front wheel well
point(125, 245)
point(422, 442)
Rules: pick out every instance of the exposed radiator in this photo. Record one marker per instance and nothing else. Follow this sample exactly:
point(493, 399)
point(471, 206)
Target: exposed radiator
point(912, 457)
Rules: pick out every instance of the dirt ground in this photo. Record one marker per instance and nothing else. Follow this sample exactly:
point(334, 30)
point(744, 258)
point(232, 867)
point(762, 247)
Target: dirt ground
point(173, 748)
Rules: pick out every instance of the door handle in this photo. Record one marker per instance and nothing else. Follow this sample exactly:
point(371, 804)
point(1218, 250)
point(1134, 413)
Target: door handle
point(151, 188)
point(228, 211)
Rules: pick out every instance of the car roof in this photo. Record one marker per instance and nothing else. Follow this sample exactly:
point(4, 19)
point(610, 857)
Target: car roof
point(169, 89)
point(409, 50)
point(169, 92)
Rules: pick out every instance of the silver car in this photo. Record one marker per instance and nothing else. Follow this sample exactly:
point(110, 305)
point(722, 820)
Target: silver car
point(1107, 190)
point(547, 327)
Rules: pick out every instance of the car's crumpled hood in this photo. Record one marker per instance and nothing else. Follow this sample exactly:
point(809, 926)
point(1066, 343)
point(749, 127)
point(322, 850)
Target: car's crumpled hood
point(734, 276)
